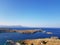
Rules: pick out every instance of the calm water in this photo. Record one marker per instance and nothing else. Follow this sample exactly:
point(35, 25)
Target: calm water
point(18, 36)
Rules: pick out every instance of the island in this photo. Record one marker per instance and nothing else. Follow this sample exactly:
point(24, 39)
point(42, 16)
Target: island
point(5, 30)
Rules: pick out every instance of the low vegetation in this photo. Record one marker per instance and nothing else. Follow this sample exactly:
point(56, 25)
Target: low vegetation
point(46, 41)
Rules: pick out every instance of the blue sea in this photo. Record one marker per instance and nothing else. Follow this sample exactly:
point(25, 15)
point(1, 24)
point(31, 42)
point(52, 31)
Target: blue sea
point(18, 36)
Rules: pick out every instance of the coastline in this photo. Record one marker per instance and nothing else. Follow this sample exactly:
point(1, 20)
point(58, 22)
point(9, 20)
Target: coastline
point(45, 41)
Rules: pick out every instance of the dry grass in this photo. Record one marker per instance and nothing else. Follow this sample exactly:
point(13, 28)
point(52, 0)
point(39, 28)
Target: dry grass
point(46, 41)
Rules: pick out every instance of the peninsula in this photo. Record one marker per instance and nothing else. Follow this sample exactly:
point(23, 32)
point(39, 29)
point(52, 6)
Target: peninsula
point(2, 30)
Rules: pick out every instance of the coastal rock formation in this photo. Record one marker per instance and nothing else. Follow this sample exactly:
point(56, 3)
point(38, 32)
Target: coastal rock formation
point(29, 31)
point(11, 42)
point(46, 41)
point(54, 37)
point(20, 31)
point(49, 33)
point(17, 43)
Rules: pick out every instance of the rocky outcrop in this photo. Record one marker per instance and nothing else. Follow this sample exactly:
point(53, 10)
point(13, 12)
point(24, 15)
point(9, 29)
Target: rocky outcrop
point(46, 41)
point(20, 31)
point(49, 33)
point(11, 42)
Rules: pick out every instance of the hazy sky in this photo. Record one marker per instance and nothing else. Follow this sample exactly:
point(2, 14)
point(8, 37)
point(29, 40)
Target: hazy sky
point(39, 13)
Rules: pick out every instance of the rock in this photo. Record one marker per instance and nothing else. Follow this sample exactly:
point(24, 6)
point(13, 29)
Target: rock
point(18, 43)
point(49, 33)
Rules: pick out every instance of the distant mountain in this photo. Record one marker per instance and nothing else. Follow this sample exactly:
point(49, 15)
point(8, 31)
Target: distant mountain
point(14, 26)
point(18, 27)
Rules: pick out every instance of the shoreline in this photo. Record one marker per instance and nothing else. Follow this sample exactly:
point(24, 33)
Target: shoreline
point(45, 41)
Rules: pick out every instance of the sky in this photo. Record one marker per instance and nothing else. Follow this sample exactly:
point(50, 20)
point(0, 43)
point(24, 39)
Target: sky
point(33, 13)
